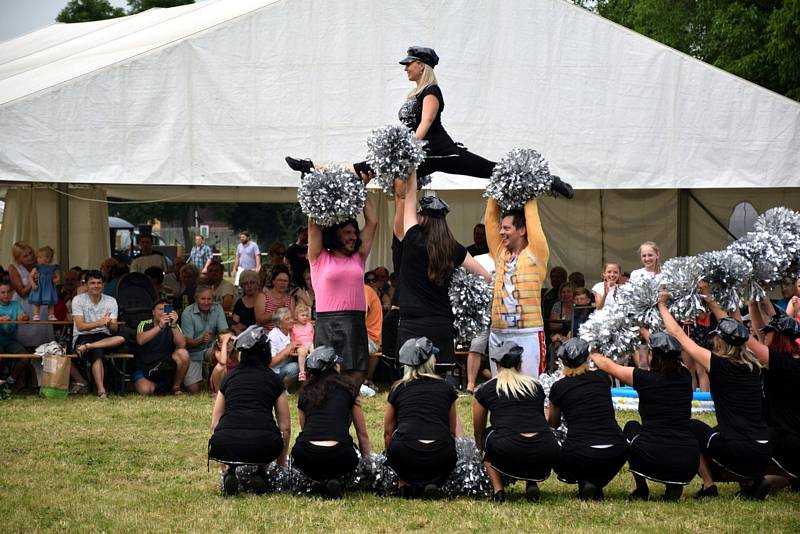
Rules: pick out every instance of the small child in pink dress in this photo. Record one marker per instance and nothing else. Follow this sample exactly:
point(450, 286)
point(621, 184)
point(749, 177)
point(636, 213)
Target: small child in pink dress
point(303, 332)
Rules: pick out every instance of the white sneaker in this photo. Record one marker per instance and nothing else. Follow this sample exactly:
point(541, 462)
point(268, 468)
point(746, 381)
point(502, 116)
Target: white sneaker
point(367, 391)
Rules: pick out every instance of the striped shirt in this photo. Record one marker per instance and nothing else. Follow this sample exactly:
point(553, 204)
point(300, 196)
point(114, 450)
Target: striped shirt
point(199, 256)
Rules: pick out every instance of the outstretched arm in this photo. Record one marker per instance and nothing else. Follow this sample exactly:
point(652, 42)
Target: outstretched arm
point(623, 374)
point(698, 353)
point(410, 205)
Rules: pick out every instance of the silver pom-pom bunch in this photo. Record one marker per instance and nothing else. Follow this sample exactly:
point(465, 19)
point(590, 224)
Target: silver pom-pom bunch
point(785, 224)
point(471, 301)
point(726, 273)
point(611, 332)
point(331, 196)
point(681, 276)
point(371, 474)
point(522, 174)
point(769, 259)
point(393, 151)
point(469, 478)
point(639, 301)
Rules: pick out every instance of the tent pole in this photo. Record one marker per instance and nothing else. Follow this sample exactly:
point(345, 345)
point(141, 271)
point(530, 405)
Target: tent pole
point(711, 215)
point(602, 229)
point(63, 226)
point(683, 222)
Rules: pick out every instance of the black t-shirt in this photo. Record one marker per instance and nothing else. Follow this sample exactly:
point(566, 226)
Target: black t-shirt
point(247, 316)
point(423, 409)
point(585, 403)
point(250, 395)
point(397, 258)
point(782, 393)
point(330, 421)
point(420, 297)
point(298, 261)
point(737, 394)
point(521, 414)
point(158, 349)
point(665, 402)
point(410, 114)
point(477, 250)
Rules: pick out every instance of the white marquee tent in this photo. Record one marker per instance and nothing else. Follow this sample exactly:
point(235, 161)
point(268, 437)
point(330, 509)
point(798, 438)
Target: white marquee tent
point(201, 102)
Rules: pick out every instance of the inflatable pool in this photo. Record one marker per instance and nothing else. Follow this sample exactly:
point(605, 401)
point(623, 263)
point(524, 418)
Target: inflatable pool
point(626, 398)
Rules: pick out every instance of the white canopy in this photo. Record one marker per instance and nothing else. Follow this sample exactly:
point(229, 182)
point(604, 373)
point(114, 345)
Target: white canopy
point(216, 93)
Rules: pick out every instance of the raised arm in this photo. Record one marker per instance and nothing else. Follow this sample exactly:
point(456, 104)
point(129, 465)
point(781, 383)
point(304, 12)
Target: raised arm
point(410, 204)
point(623, 374)
point(492, 218)
point(697, 353)
point(756, 344)
point(399, 207)
point(369, 230)
point(537, 242)
point(314, 241)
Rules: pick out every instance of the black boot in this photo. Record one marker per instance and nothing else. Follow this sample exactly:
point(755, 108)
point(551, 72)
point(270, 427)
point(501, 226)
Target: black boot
point(333, 488)
point(704, 492)
point(230, 485)
point(760, 489)
point(562, 188)
point(300, 165)
point(673, 492)
point(532, 492)
point(586, 490)
point(499, 496)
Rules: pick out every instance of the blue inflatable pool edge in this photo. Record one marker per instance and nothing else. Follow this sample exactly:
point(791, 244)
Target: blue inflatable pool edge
point(627, 391)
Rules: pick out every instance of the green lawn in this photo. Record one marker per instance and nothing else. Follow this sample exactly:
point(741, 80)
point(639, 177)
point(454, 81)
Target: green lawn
point(135, 464)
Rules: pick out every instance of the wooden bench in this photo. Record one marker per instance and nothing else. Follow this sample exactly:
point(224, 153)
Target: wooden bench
point(120, 376)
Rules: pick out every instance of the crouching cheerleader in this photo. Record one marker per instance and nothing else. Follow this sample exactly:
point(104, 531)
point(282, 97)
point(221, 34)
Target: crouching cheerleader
point(243, 425)
point(420, 422)
point(326, 406)
point(519, 444)
point(595, 449)
point(662, 447)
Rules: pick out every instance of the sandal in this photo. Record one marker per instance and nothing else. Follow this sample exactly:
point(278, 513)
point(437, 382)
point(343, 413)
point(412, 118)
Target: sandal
point(103, 395)
point(78, 387)
point(80, 351)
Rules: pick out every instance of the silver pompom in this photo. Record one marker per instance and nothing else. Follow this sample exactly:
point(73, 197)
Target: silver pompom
point(519, 176)
point(371, 474)
point(680, 276)
point(785, 224)
point(639, 300)
point(726, 273)
point(471, 301)
point(331, 196)
point(469, 478)
point(393, 151)
point(769, 258)
point(611, 332)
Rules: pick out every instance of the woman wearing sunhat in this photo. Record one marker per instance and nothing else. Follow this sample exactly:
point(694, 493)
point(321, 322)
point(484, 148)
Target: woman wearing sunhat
point(420, 422)
point(662, 447)
point(595, 449)
point(519, 444)
point(326, 407)
point(738, 448)
point(243, 424)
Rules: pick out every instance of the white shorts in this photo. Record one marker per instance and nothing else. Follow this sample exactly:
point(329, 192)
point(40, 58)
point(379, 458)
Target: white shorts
point(194, 374)
point(532, 342)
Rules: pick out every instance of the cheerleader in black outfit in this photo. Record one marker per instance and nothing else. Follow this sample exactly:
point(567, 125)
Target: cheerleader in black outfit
point(662, 447)
point(779, 353)
point(420, 422)
point(738, 448)
point(326, 406)
point(595, 449)
point(243, 426)
point(519, 444)
point(422, 113)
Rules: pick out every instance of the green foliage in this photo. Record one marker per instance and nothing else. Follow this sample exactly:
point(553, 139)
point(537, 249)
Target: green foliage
point(137, 6)
point(267, 222)
point(89, 10)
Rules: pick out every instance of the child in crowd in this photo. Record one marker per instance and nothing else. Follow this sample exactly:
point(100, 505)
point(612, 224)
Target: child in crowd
point(45, 277)
point(303, 333)
point(649, 255)
point(605, 292)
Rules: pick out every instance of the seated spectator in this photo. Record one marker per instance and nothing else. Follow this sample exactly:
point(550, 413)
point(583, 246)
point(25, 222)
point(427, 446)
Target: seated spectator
point(305, 292)
point(95, 320)
point(583, 308)
point(479, 245)
point(161, 358)
point(190, 276)
point(201, 323)
point(148, 257)
point(624, 277)
point(156, 276)
point(303, 332)
point(577, 279)
point(383, 286)
point(244, 313)
point(72, 280)
point(107, 268)
point(374, 323)
point(274, 297)
point(224, 292)
point(558, 275)
point(277, 255)
point(172, 281)
point(297, 256)
point(562, 310)
point(224, 360)
point(10, 310)
point(283, 348)
point(118, 270)
point(372, 281)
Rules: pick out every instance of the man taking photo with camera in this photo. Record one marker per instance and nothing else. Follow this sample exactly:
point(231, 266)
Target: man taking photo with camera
point(161, 357)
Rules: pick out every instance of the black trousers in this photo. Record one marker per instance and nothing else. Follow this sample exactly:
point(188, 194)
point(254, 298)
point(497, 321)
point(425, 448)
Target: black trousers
point(584, 462)
point(320, 463)
point(670, 459)
point(418, 464)
point(242, 446)
point(743, 457)
point(521, 457)
point(785, 452)
point(465, 163)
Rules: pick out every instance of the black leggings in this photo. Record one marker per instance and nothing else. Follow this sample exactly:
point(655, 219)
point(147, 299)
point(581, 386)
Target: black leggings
point(668, 457)
point(418, 464)
point(521, 457)
point(242, 446)
point(584, 462)
point(320, 463)
point(743, 457)
point(465, 163)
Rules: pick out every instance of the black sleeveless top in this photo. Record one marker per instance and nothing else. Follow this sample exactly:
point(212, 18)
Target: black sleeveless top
point(439, 143)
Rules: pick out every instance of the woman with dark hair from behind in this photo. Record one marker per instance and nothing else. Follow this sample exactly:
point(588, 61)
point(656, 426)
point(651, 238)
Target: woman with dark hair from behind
point(244, 431)
point(326, 406)
point(519, 444)
point(738, 448)
point(595, 449)
point(430, 254)
point(662, 447)
point(420, 422)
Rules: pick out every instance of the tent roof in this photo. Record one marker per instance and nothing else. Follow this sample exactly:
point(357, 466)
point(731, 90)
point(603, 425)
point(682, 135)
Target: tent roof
point(217, 92)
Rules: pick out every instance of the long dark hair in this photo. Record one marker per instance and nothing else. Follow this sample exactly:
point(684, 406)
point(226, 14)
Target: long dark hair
point(319, 385)
point(665, 365)
point(258, 355)
point(440, 244)
point(330, 240)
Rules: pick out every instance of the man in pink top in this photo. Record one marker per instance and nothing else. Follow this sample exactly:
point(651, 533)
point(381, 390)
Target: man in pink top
point(337, 255)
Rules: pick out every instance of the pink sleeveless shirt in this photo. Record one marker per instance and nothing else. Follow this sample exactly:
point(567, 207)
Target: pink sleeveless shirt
point(338, 282)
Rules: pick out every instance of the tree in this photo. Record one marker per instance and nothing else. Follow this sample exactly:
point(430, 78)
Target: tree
point(137, 6)
point(89, 10)
point(176, 212)
point(268, 222)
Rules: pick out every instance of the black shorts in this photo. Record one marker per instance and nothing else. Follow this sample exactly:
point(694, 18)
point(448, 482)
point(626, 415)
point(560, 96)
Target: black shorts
point(521, 457)
point(243, 446)
point(785, 452)
point(669, 459)
point(320, 463)
point(438, 329)
point(742, 457)
point(346, 333)
point(91, 355)
point(418, 464)
point(596, 465)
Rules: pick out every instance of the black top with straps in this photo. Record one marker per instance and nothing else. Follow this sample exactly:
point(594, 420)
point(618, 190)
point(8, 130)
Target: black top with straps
point(439, 142)
point(331, 421)
point(736, 391)
point(517, 414)
point(423, 409)
point(586, 403)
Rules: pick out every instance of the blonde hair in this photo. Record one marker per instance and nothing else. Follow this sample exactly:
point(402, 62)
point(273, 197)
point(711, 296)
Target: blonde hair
point(18, 249)
point(737, 354)
point(652, 245)
point(582, 369)
point(248, 275)
point(512, 383)
point(605, 266)
point(299, 308)
point(427, 78)
point(47, 252)
point(426, 369)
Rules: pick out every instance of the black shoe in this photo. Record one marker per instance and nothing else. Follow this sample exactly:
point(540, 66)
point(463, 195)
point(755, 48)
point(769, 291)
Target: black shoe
point(562, 188)
point(334, 488)
point(300, 165)
point(673, 492)
point(639, 495)
point(532, 493)
point(258, 482)
point(710, 491)
point(499, 496)
point(586, 490)
point(794, 485)
point(406, 492)
point(430, 491)
point(230, 485)
point(760, 489)
point(598, 494)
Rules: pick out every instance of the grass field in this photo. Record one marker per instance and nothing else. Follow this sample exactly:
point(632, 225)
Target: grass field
point(135, 464)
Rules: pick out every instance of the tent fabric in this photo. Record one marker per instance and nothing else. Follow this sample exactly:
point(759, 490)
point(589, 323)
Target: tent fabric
point(217, 92)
